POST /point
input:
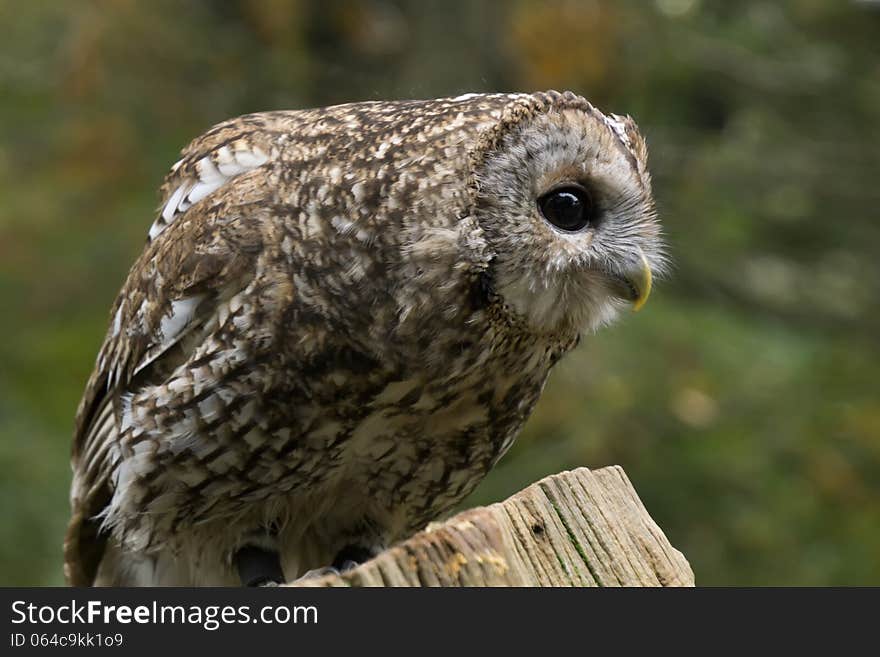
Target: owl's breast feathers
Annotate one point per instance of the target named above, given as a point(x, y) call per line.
point(311, 310)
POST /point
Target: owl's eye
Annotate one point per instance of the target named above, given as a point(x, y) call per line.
point(568, 208)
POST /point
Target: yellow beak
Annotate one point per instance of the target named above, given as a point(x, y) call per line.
point(642, 283)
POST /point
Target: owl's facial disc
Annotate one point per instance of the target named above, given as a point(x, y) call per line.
point(570, 208)
point(567, 207)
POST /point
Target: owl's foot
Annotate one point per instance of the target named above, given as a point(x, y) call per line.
point(349, 557)
point(315, 573)
point(352, 556)
point(258, 566)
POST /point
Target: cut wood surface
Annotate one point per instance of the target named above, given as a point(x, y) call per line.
point(578, 528)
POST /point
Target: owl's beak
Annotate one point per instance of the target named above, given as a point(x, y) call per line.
point(633, 283)
point(640, 280)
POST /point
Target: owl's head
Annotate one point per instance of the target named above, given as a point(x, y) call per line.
point(563, 196)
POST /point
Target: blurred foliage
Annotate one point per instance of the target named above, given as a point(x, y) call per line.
point(743, 402)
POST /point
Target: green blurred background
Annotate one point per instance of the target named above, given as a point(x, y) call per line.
point(743, 402)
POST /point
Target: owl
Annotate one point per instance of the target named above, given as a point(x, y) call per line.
point(340, 321)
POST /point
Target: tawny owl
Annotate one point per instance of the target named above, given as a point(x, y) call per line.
point(340, 321)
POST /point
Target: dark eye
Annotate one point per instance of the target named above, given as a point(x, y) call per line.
point(568, 208)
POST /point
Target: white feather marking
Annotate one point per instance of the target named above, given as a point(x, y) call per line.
point(171, 327)
point(242, 322)
point(341, 224)
point(210, 177)
point(226, 163)
point(170, 208)
point(127, 417)
point(156, 229)
point(618, 127)
point(202, 189)
point(182, 311)
point(251, 159)
point(117, 320)
point(208, 173)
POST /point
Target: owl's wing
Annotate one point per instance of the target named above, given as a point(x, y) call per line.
point(201, 250)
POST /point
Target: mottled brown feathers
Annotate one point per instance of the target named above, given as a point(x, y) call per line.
point(340, 321)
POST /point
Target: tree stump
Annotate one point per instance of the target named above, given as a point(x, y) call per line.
point(578, 528)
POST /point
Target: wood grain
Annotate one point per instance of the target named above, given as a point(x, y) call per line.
point(577, 528)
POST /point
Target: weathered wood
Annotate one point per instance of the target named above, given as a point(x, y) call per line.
point(578, 528)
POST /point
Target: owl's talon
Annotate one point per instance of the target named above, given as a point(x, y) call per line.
point(318, 572)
